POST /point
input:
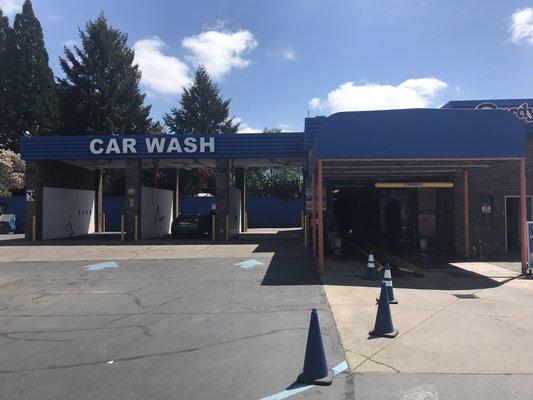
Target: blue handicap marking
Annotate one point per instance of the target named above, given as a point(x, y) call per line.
point(100, 266)
point(249, 264)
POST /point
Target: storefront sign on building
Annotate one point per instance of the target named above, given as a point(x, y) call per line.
point(523, 112)
point(153, 145)
point(409, 185)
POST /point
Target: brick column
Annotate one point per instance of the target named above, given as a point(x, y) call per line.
point(133, 198)
point(34, 199)
point(177, 193)
point(222, 196)
point(240, 183)
point(99, 194)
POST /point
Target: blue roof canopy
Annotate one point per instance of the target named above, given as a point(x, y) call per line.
point(421, 134)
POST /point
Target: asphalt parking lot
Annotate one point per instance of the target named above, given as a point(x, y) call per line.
point(160, 329)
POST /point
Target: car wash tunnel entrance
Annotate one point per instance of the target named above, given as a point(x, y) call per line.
point(444, 180)
point(414, 182)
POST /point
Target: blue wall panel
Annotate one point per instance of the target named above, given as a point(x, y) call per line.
point(16, 205)
point(113, 208)
point(273, 212)
point(263, 212)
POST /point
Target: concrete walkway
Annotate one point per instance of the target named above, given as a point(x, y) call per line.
point(439, 332)
point(258, 242)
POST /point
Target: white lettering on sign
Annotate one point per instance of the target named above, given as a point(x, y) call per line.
point(207, 144)
point(128, 146)
point(523, 112)
point(154, 145)
point(174, 146)
point(94, 149)
point(190, 145)
point(112, 147)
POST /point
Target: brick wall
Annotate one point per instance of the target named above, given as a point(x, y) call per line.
point(493, 183)
point(222, 197)
point(132, 207)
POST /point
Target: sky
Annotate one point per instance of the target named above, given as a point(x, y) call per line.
point(279, 61)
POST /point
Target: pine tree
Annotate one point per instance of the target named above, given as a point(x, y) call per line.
point(33, 87)
point(100, 93)
point(7, 126)
point(202, 109)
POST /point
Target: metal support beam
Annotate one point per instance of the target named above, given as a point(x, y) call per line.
point(466, 218)
point(313, 213)
point(523, 216)
point(320, 219)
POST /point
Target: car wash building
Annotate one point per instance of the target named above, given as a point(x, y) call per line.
point(447, 180)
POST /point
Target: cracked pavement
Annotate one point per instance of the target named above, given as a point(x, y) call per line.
point(198, 328)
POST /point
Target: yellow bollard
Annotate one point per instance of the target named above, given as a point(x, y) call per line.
point(213, 231)
point(103, 222)
point(136, 228)
point(227, 227)
point(305, 230)
point(122, 228)
point(34, 228)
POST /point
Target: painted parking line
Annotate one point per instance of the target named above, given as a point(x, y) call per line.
point(100, 266)
point(343, 366)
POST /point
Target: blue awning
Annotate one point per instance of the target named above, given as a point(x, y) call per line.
point(421, 134)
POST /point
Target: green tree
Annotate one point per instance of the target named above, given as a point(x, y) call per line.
point(202, 109)
point(100, 92)
point(28, 82)
point(282, 181)
point(7, 125)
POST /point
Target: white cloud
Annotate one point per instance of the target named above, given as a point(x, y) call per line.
point(162, 74)
point(54, 17)
point(288, 54)
point(284, 127)
point(522, 26)
point(244, 127)
point(413, 93)
point(220, 51)
point(11, 7)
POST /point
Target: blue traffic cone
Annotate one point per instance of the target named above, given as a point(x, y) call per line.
point(387, 278)
point(383, 326)
point(315, 365)
point(371, 273)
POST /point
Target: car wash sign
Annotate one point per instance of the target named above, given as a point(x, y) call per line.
point(524, 112)
point(157, 145)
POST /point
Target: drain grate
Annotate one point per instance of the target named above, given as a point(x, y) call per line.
point(466, 296)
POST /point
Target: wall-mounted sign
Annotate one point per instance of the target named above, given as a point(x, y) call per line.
point(410, 185)
point(30, 195)
point(486, 209)
point(523, 112)
point(161, 144)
